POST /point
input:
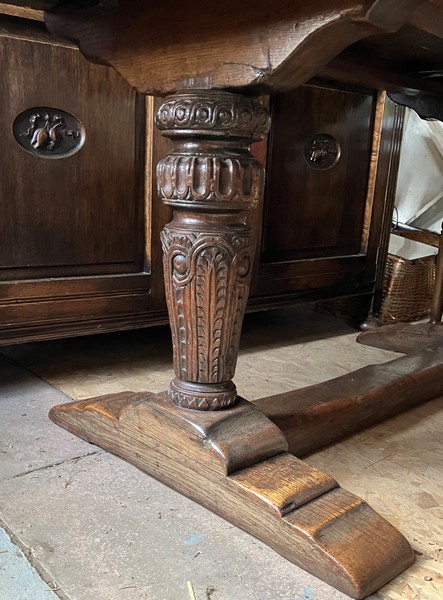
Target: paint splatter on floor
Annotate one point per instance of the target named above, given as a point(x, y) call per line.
point(194, 539)
point(18, 578)
point(308, 594)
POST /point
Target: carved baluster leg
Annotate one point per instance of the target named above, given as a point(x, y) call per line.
point(210, 179)
point(233, 461)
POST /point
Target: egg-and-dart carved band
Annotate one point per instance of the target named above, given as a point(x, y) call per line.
point(219, 114)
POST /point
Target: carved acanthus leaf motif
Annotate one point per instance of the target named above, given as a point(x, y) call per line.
point(209, 274)
point(200, 180)
point(212, 178)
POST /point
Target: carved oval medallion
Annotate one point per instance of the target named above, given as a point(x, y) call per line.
point(48, 132)
point(322, 151)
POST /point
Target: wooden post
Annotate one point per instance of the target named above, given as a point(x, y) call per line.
point(210, 179)
point(437, 296)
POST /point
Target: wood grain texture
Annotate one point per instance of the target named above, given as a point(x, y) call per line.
point(338, 536)
point(72, 232)
point(273, 284)
point(60, 307)
point(277, 49)
point(408, 338)
point(24, 12)
point(211, 179)
point(385, 188)
point(68, 200)
point(298, 279)
point(337, 196)
point(376, 139)
point(398, 61)
point(322, 414)
point(419, 235)
point(29, 9)
point(338, 219)
point(250, 480)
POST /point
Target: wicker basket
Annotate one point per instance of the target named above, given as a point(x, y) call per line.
point(407, 288)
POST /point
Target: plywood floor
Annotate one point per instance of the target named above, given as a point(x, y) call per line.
point(397, 466)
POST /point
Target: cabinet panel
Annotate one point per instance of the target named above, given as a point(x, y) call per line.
point(49, 308)
point(319, 233)
point(73, 230)
point(81, 214)
point(312, 212)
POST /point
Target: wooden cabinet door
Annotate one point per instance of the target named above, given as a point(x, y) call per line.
point(73, 236)
point(320, 231)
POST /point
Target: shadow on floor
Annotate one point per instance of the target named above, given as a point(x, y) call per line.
point(152, 346)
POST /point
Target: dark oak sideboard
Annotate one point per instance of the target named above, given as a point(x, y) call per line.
point(80, 235)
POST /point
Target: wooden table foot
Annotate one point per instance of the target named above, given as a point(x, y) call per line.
point(412, 337)
point(236, 464)
point(403, 337)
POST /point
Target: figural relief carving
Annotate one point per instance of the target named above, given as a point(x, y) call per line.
point(48, 132)
point(322, 151)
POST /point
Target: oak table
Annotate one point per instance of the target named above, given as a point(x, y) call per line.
point(212, 61)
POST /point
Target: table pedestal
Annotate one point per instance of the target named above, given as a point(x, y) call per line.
point(199, 437)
